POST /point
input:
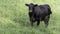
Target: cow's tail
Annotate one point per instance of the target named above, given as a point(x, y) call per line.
point(49, 9)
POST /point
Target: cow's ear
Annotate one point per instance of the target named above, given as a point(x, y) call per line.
point(36, 5)
point(27, 4)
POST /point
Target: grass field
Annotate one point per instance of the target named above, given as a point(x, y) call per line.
point(14, 17)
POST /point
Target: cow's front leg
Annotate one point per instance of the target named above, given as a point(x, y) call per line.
point(32, 23)
point(32, 20)
point(38, 22)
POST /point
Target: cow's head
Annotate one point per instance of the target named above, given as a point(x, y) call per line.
point(31, 6)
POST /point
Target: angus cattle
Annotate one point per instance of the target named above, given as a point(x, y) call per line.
point(39, 13)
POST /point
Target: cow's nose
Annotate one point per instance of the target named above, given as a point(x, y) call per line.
point(30, 11)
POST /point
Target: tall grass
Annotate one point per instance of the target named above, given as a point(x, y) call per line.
point(14, 17)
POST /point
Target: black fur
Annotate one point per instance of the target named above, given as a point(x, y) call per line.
point(39, 13)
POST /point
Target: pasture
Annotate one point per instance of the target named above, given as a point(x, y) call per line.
point(14, 17)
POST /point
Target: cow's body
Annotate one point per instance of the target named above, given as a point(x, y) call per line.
point(39, 13)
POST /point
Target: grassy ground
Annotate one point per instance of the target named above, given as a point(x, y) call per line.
point(14, 17)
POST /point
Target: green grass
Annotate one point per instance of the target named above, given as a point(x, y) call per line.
point(14, 17)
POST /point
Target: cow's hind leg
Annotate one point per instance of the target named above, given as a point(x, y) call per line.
point(46, 20)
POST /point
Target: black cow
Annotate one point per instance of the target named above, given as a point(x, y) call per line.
point(39, 13)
